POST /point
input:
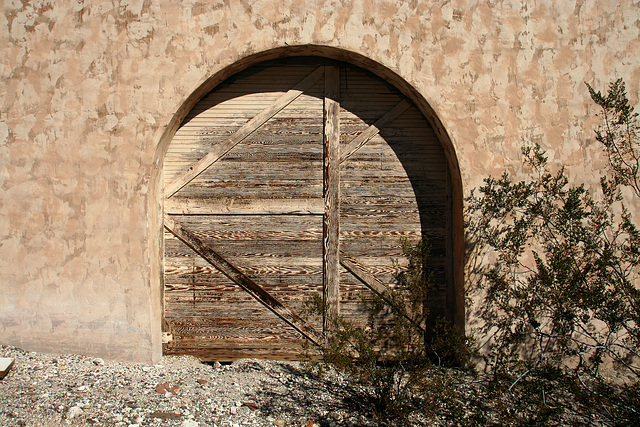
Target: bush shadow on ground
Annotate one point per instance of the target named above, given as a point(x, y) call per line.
point(294, 392)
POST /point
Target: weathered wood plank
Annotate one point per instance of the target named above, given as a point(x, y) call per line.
point(281, 160)
point(221, 149)
point(259, 190)
point(271, 235)
point(241, 280)
point(308, 251)
point(229, 206)
point(235, 351)
point(331, 234)
point(274, 228)
point(276, 269)
point(256, 320)
point(373, 130)
point(195, 287)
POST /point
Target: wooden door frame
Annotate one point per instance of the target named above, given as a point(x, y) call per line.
point(455, 295)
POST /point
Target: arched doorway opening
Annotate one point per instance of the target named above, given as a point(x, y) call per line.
point(296, 176)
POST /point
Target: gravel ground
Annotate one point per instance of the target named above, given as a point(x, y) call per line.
point(52, 390)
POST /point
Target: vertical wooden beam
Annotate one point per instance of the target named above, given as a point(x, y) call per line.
point(331, 233)
point(458, 245)
point(450, 290)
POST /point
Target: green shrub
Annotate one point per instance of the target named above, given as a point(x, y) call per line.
point(561, 301)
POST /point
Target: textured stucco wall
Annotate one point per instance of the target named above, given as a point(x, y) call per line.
point(89, 89)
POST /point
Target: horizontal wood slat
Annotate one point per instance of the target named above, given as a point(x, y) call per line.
point(224, 206)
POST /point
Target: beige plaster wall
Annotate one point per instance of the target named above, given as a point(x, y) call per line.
point(89, 90)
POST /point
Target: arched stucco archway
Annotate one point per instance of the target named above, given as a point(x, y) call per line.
point(454, 309)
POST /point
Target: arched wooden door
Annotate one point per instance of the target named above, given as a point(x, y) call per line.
point(294, 177)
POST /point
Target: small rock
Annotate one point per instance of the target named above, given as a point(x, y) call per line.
point(190, 423)
point(334, 415)
point(74, 411)
point(250, 405)
point(5, 366)
point(165, 388)
point(202, 381)
point(98, 361)
point(279, 423)
point(165, 415)
point(233, 410)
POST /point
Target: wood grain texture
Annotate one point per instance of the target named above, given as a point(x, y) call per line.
point(243, 132)
point(372, 282)
point(234, 206)
point(268, 205)
point(394, 186)
point(241, 279)
point(281, 160)
point(331, 234)
point(373, 130)
point(365, 276)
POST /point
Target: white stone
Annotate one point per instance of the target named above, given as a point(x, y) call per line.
point(5, 366)
point(74, 411)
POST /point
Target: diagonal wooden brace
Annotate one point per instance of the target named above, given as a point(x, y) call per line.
point(356, 143)
point(247, 129)
point(373, 283)
point(240, 279)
